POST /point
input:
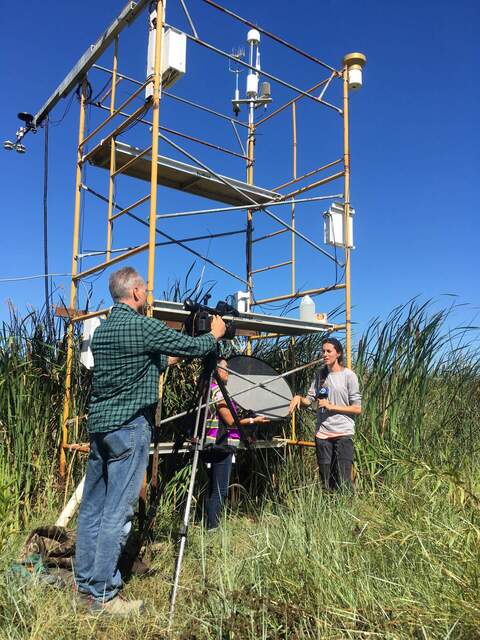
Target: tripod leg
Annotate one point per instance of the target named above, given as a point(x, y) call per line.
point(198, 444)
point(156, 438)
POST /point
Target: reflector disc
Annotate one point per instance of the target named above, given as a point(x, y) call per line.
point(251, 386)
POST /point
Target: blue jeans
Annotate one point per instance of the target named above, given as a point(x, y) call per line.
point(115, 470)
point(218, 489)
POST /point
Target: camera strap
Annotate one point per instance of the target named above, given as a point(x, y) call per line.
point(233, 411)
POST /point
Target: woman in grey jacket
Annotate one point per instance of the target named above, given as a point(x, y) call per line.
point(336, 394)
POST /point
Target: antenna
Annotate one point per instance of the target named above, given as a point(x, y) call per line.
point(253, 98)
point(235, 68)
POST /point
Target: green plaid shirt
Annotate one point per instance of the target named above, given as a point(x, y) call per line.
point(130, 351)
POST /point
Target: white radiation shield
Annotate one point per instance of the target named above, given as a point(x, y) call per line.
point(255, 386)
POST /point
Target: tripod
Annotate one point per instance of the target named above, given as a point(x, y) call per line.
point(198, 443)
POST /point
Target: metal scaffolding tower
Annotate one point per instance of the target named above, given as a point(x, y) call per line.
point(194, 176)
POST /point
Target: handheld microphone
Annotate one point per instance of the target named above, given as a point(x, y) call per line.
point(323, 395)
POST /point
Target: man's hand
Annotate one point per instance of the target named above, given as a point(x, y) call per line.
point(261, 420)
point(218, 328)
point(171, 360)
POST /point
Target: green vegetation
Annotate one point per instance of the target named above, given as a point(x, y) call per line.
point(399, 559)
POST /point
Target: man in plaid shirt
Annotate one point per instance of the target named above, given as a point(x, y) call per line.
point(130, 351)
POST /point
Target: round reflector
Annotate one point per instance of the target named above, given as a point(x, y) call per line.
point(255, 386)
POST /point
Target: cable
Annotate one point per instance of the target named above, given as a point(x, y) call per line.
point(40, 275)
point(45, 226)
point(55, 123)
point(94, 100)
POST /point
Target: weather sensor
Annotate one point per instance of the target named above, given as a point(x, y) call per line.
point(254, 98)
point(354, 63)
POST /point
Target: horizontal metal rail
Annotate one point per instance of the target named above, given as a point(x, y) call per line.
point(276, 79)
point(272, 203)
point(132, 118)
point(268, 336)
point(75, 315)
point(212, 145)
point(134, 205)
point(202, 107)
point(109, 263)
point(195, 105)
point(284, 106)
point(81, 448)
point(307, 175)
point(169, 237)
point(180, 134)
point(127, 164)
point(272, 266)
point(298, 443)
point(281, 41)
point(316, 184)
point(250, 199)
point(299, 294)
point(114, 114)
point(270, 235)
point(166, 243)
point(118, 74)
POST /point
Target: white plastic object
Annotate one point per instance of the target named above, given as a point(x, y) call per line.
point(71, 506)
point(174, 56)
point(86, 355)
point(252, 85)
point(253, 36)
point(242, 301)
point(333, 226)
point(355, 79)
point(307, 309)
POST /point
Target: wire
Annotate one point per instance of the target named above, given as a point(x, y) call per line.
point(45, 225)
point(55, 123)
point(40, 275)
point(94, 100)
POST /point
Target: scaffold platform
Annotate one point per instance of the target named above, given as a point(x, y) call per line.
point(174, 314)
point(179, 175)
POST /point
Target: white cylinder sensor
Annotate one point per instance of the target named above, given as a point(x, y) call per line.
point(252, 85)
point(354, 77)
point(253, 36)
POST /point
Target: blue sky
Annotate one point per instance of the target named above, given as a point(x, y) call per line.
point(414, 146)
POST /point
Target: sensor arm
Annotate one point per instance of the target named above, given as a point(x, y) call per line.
point(129, 13)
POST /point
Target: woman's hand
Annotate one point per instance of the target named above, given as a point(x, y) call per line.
point(325, 404)
point(295, 403)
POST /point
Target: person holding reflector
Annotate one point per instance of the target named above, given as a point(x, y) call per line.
point(223, 436)
point(336, 393)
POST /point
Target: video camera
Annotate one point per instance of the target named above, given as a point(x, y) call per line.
point(200, 319)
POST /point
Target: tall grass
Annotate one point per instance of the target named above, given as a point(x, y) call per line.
point(399, 559)
point(32, 368)
point(422, 394)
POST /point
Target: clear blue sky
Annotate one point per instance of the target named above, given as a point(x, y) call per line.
point(414, 145)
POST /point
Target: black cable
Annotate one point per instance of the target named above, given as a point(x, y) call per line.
point(94, 100)
point(45, 228)
point(55, 123)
